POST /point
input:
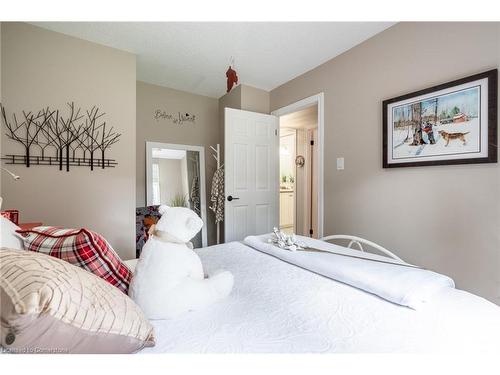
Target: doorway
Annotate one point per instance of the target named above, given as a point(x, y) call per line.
point(301, 167)
point(252, 172)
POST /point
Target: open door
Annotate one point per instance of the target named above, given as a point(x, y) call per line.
point(251, 173)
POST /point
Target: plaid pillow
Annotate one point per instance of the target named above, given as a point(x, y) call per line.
point(82, 248)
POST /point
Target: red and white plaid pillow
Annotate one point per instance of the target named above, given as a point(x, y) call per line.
point(82, 248)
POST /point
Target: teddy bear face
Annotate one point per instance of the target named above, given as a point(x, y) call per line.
point(178, 223)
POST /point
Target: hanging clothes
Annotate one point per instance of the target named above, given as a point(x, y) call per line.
point(217, 195)
point(195, 195)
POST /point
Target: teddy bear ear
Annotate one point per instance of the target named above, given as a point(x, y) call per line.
point(162, 209)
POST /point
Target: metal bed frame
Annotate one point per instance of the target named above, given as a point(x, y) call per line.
point(360, 242)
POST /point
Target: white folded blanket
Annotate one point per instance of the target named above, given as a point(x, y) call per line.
point(406, 286)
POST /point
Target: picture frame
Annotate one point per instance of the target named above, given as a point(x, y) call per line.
point(451, 123)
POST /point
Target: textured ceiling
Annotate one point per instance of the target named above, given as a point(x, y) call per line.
point(194, 56)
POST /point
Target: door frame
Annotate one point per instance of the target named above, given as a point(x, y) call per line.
point(149, 175)
point(319, 100)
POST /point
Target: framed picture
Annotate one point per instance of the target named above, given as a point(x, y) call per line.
point(452, 123)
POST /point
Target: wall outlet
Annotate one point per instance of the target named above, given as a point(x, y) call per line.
point(340, 164)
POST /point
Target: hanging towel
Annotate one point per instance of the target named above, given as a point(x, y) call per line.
point(217, 195)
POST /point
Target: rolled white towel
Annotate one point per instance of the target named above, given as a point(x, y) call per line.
point(392, 281)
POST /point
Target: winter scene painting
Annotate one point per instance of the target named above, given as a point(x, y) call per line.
point(441, 125)
point(447, 124)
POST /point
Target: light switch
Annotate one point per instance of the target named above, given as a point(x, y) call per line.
point(340, 164)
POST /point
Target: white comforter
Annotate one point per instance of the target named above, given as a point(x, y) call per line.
point(276, 307)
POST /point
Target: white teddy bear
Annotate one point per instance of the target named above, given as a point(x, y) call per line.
point(169, 280)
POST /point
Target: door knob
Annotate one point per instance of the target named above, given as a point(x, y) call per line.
point(230, 198)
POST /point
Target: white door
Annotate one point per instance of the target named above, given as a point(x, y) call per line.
point(251, 174)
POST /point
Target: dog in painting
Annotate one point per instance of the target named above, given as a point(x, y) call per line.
point(451, 136)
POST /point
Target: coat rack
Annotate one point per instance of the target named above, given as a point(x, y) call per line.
point(216, 156)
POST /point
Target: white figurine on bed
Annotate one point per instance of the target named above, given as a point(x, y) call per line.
point(169, 280)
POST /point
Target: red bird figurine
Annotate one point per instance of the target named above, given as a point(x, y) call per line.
point(232, 78)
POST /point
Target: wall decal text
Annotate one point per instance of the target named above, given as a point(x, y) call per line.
point(178, 118)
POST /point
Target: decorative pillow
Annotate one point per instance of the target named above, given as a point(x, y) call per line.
point(82, 248)
point(8, 235)
point(50, 306)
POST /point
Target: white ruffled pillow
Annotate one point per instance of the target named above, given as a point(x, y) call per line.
point(9, 238)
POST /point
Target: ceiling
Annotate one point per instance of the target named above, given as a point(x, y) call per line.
point(194, 56)
point(304, 119)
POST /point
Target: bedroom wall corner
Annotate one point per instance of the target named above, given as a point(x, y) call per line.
point(204, 132)
point(254, 99)
point(445, 218)
point(43, 68)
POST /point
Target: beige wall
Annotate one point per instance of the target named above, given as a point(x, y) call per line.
point(446, 218)
point(43, 68)
point(255, 100)
point(245, 97)
point(204, 132)
point(230, 100)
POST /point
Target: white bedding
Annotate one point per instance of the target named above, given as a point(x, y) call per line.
point(406, 286)
point(277, 307)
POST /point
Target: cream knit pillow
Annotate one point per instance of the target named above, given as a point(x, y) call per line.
point(48, 305)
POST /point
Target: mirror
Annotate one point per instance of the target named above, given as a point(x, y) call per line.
point(175, 176)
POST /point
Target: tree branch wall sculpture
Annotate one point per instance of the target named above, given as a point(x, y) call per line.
point(68, 136)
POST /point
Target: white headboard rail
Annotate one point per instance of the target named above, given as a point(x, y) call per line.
point(360, 242)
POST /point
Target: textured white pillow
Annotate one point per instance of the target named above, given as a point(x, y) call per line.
point(8, 237)
point(48, 305)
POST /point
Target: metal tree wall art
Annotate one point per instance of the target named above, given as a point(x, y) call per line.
point(50, 138)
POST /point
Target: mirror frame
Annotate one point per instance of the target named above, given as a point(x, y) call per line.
point(149, 176)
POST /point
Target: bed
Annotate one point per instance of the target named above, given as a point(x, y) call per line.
point(277, 307)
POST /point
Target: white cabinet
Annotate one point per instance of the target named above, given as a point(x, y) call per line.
point(286, 209)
